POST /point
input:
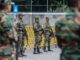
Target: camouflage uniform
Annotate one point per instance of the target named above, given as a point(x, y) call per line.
point(48, 31)
point(5, 40)
point(38, 37)
point(20, 33)
point(70, 40)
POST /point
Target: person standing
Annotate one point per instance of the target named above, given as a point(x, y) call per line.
point(48, 35)
point(20, 33)
point(6, 35)
point(70, 32)
point(38, 35)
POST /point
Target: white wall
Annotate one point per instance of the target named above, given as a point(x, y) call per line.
point(29, 18)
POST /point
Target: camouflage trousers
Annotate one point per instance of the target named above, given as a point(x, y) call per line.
point(70, 53)
point(38, 40)
point(47, 40)
point(20, 43)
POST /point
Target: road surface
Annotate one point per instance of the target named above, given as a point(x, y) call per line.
point(54, 55)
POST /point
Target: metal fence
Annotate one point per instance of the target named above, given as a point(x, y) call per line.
point(41, 5)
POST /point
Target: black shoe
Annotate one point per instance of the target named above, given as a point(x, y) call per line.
point(44, 49)
point(38, 50)
point(24, 55)
point(35, 51)
point(49, 48)
point(20, 55)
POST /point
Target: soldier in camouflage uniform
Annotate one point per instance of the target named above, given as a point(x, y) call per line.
point(48, 35)
point(65, 38)
point(69, 33)
point(20, 33)
point(38, 35)
point(6, 35)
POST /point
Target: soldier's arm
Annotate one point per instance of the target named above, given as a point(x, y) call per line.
point(17, 26)
point(35, 27)
point(1, 24)
point(10, 34)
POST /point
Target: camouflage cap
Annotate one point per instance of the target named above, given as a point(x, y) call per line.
point(8, 2)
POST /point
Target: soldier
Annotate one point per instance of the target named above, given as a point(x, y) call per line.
point(6, 35)
point(48, 35)
point(20, 33)
point(38, 35)
point(75, 53)
point(71, 45)
point(64, 35)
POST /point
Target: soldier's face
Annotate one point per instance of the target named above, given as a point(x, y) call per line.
point(20, 17)
point(47, 19)
point(37, 20)
point(8, 8)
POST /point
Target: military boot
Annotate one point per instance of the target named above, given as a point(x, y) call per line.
point(44, 49)
point(49, 48)
point(35, 51)
point(38, 50)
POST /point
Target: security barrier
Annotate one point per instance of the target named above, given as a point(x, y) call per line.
point(31, 37)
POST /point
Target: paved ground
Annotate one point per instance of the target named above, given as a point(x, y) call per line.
point(54, 55)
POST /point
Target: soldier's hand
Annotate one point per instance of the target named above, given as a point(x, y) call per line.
point(10, 35)
point(3, 47)
point(3, 19)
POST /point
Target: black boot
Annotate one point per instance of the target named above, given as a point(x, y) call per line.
point(35, 52)
point(49, 48)
point(22, 53)
point(44, 49)
point(38, 50)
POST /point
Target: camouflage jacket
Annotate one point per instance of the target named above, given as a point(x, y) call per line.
point(68, 34)
point(37, 28)
point(4, 30)
point(47, 29)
